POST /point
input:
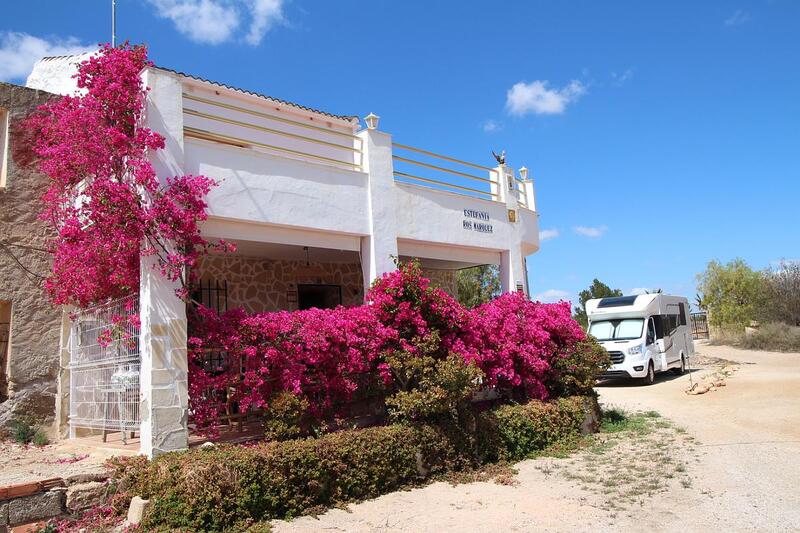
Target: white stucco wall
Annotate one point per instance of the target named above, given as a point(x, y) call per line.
point(265, 188)
point(55, 74)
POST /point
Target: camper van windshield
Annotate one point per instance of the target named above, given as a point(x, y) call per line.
point(623, 329)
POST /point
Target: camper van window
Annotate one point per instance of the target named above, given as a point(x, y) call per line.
point(624, 329)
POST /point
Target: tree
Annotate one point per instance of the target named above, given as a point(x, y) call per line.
point(732, 293)
point(782, 301)
point(104, 199)
point(478, 285)
point(598, 289)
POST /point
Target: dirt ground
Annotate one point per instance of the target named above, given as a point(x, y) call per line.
point(728, 460)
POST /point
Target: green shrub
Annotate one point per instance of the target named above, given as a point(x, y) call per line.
point(226, 486)
point(444, 391)
point(524, 430)
point(774, 336)
point(23, 432)
point(576, 374)
point(284, 416)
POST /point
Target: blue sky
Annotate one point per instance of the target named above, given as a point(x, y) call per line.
point(661, 134)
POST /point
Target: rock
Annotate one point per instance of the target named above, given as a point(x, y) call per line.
point(3, 515)
point(137, 509)
point(37, 507)
point(207, 445)
point(101, 474)
point(83, 496)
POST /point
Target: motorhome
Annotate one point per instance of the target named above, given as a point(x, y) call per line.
point(644, 334)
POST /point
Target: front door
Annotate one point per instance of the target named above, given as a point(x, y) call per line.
point(319, 296)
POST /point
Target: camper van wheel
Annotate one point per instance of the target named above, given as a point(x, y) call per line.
point(682, 368)
point(650, 378)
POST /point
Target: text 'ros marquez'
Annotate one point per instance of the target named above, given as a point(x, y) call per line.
point(477, 221)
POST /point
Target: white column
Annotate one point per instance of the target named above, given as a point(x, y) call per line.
point(163, 376)
point(512, 271)
point(513, 276)
point(379, 248)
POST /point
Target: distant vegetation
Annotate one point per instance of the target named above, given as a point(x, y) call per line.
point(478, 285)
point(598, 289)
point(735, 295)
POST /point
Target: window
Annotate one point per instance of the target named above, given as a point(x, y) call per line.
point(3, 146)
point(683, 314)
point(626, 329)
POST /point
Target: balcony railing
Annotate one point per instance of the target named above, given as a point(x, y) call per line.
point(444, 178)
point(352, 157)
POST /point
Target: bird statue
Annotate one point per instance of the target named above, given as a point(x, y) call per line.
point(500, 158)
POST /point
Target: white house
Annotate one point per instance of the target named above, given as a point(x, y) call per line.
point(318, 208)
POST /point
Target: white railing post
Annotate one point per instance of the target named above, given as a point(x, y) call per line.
point(527, 188)
point(379, 247)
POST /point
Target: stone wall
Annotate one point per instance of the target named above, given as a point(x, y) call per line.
point(33, 357)
point(258, 284)
point(445, 279)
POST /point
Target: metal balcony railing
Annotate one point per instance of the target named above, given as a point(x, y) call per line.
point(445, 178)
point(354, 146)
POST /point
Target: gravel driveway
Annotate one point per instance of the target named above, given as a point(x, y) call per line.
point(736, 449)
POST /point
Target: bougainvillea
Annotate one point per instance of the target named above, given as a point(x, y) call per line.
point(105, 201)
point(318, 354)
point(321, 355)
point(516, 341)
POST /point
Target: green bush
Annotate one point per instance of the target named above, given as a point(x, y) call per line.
point(444, 391)
point(224, 486)
point(777, 337)
point(524, 430)
point(576, 374)
point(23, 432)
point(284, 417)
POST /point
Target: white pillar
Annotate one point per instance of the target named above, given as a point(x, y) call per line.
point(513, 276)
point(164, 370)
point(379, 248)
point(163, 376)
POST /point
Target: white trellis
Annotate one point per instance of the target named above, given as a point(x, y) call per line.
point(104, 368)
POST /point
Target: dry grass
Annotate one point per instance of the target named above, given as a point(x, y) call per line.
point(634, 457)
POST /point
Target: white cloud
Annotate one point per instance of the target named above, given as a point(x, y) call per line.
point(536, 97)
point(217, 21)
point(619, 79)
point(589, 231)
point(19, 51)
point(547, 234)
point(490, 126)
point(266, 13)
point(202, 21)
point(738, 18)
point(551, 295)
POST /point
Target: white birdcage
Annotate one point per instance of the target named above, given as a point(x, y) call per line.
point(104, 368)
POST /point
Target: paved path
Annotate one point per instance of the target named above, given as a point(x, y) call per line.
point(745, 470)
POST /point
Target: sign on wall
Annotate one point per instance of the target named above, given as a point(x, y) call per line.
point(477, 221)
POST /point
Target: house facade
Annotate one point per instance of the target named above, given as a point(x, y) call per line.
point(30, 327)
point(318, 207)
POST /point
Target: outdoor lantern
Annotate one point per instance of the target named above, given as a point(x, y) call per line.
point(523, 173)
point(372, 121)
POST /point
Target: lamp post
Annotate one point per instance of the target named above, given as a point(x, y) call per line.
point(523, 173)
